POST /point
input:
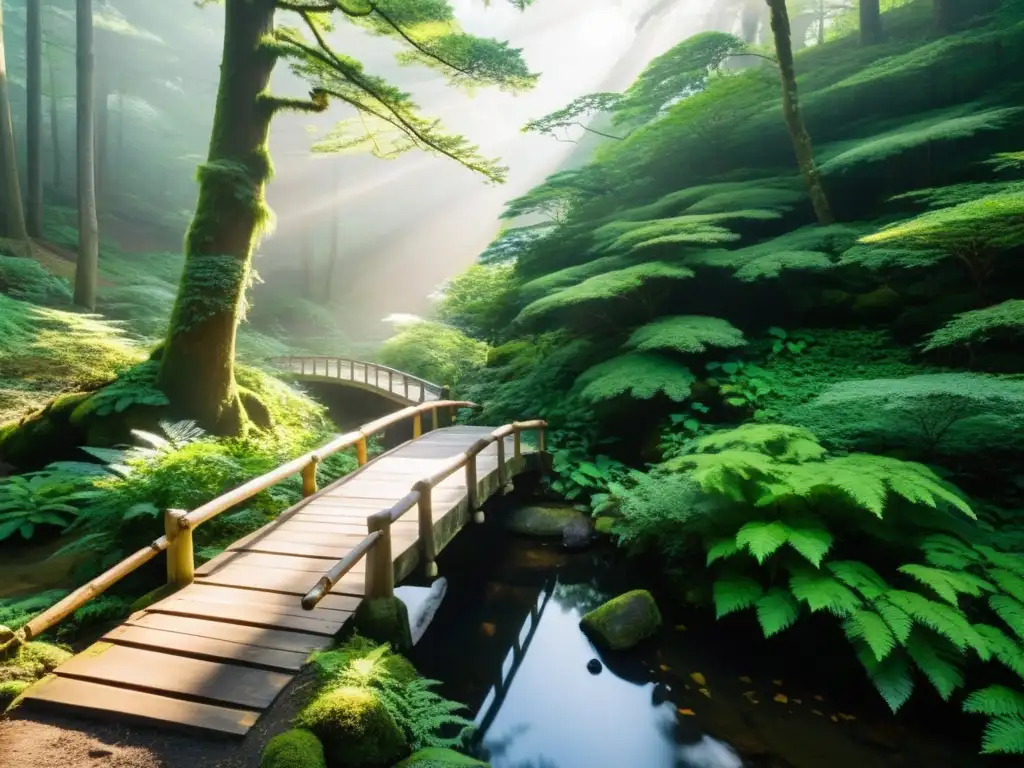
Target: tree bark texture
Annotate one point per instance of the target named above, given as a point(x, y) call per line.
point(34, 117)
point(197, 364)
point(88, 226)
point(802, 145)
point(14, 213)
point(870, 22)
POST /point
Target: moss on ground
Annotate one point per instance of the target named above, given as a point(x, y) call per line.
point(296, 748)
point(440, 758)
point(29, 663)
point(355, 727)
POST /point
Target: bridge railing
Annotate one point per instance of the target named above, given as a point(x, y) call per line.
point(179, 524)
point(359, 371)
point(376, 545)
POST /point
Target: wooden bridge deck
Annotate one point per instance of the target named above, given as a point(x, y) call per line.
point(399, 386)
point(216, 654)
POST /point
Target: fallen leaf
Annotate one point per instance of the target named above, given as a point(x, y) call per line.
point(751, 696)
point(706, 692)
point(781, 698)
point(798, 701)
point(834, 719)
point(687, 712)
point(846, 717)
point(698, 678)
point(488, 629)
point(680, 627)
point(817, 712)
point(687, 687)
point(745, 679)
point(818, 698)
point(664, 667)
point(777, 682)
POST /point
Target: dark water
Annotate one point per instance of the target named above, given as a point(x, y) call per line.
point(506, 641)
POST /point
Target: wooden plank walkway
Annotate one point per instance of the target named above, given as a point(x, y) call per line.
point(399, 386)
point(215, 655)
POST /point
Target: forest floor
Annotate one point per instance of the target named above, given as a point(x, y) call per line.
point(49, 740)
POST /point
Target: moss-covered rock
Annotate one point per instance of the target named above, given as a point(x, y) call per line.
point(32, 661)
point(11, 690)
point(385, 620)
point(297, 748)
point(355, 728)
point(623, 621)
point(438, 757)
point(544, 520)
point(603, 524)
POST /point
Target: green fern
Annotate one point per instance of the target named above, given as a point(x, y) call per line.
point(870, 628)
point(762, 539)
point(980, 325)
point(947, 584)
point(941, 619)
point(945, 551)
point(1011, 583)
point(1004, 648)
point(939, 661)
point(860, 577)
point(780, 441)
point(1004, 733)
point(821, 592)
point(686, 334)
point(641, 375)
point(776, 611)
point(723, 548)
point(733, 593)
point(1009, 610)
point(891, 677)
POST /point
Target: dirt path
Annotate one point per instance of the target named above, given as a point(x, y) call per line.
point(37, 740)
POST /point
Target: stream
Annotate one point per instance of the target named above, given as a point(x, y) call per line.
point(505, 640)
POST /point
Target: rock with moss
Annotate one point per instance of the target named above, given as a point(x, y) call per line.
point(623, 621)
point(31, 661)
point(439, 757)
point(604, 524)
point(297, 748)
point(355, 728)
point(385, 620)
point(11, 690)
point(546, 520)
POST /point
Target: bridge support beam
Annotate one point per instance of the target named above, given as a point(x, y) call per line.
point(385, 620)
point(428, 547)
point(181, 564)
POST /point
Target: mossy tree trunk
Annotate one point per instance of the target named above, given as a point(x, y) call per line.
point(870, 22)
point(34, 116)
point(197, 365)
point(87, 264)
point(13, 212)
point(791, 110)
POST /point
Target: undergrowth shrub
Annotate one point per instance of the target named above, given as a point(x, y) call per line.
point(26, 280)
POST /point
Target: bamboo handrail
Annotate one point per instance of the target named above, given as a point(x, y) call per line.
point(420, 496)
point(189, 521)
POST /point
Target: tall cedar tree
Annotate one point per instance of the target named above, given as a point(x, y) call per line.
point(870, 22)
point(197, 360)
point(791, 110)
point(87, 264)
point(34, 116)
point(13, 211)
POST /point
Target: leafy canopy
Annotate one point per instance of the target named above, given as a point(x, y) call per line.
point(686, 334)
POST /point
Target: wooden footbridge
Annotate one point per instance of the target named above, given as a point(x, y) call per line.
point(397, 386)
point(223, 640)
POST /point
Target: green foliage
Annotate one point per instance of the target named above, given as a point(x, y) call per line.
point(474, 301)
point(51, 498)
point(641, 375)
point(686, 334)
point(573, 114)
point(295, 748)
point(1005, 708)
point(433, 351)
point(947, 413)
point(411, 701)
point(980, 325)
point(26, 280)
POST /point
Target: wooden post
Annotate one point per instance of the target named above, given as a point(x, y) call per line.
point(433, 418)
point(361, 451)
point(181, 566)
point(473, 490)
point(446, 416)
point(303, 365)
point(541, 447)
point(405, 382)
point(351, 370)
point(428, 549)
point(380, 570)
point(366, 373)
point(517, 447)
point(309, 477)
point(502, 470)
point(417, 425)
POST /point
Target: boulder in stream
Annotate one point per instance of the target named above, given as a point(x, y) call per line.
point(623, 621)
point(546, 520)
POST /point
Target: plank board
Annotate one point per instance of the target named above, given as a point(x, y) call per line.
point(122, 703)
point(208, 648)
point(252, 615)
point(328, 609)
point(153, 672)
point(280, 580)
point(278, 545)
point(288, 562)
point(299, 642)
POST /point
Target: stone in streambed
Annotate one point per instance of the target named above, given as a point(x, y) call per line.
point(623, 621)
point(578, 534)
point(545, 520)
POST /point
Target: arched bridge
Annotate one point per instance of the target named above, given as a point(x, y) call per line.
point(397, 386)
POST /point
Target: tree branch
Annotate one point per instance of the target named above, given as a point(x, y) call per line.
point(418, 46)
point(600, 133)
point(322, 6)
point(317, 102)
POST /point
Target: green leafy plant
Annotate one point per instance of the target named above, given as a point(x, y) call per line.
point(49, 497)
point(740, 384)
point(784, 342)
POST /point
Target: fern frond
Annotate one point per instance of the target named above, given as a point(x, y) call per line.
point(776, 611)
point(995, 701)
point(1006, 560)
point(821, 592)
point(734, 593)
point(945, 551)
point(946, 584)
point(762, 539)
point(891, 677)
point(780, 441)
point(721, 549)
point(860, 576)
point(1009, 610)
point(939, 664)
point(1008, 581)
point(812, 541)
point(1004, 735)
point(938, 617)
point(724, 473)
point(1003, 647)
point(899, 621)
point(869, 627)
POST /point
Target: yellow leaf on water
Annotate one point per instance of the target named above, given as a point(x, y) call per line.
point(777, 682)
point(664, 667)
point(846, 717)
point(745, 679)
point(798, 701)
point(698, 678)
point(706, 692)
point(834, 719)
point(688, 712)
point(781, 698)
point(817, 712)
